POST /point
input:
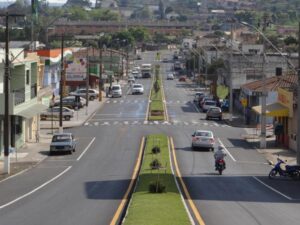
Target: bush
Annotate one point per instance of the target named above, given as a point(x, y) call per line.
point(155, 164)
point(155, 150)
point(157, 187)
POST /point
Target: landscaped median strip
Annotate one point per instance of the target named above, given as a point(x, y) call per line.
point(156, 108)
point(156, 199)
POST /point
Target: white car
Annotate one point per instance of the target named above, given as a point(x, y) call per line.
point(203, 139)
point(92, 93)
point(170, 76)
point(207, 104)
point(136, 74)
point(116, 91)
point(137, 89)
point(131, 80)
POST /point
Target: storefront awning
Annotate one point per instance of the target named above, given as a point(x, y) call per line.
point(32, 111)
point(274, 109)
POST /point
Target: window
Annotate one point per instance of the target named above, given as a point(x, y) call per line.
point(27, 77)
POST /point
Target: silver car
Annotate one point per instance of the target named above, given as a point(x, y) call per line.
point(54, 112)
point(203, 139)
point(92, 93)
point(64, 142)
point(214, 112)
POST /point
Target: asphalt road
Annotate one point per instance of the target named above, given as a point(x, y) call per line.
point(88, 186)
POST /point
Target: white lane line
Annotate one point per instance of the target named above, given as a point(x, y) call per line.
point(96, 123)
point(273, 189)
point(107, 101)
point(205, 124)
point(227, 150)
point(217, 125)
point(87, 147)
point(36, 189)
point(115, 101)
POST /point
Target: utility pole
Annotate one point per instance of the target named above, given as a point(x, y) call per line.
point(298, 101)
point(87, 80)
point(100, 75)
point(263, 142)
point(110, 67)
point(61, 85)
point(7, 124)
point(230, 72)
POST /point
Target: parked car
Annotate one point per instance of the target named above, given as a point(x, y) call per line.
point(225, 105)
point(198, 95)
point(170, 76)
point(82, 93)
point(54, 112)
point(137, 89)
point(207, 104)
point(202, 99)
point(203, 139)
point(70, 103)
point(182, 78)
point(165, 60)
point(63, 142)
point(116, 91)
point(214, 112)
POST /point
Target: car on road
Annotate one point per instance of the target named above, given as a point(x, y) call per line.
point(54, 112)
point(131, 80)
point(182, 78)
point(136, 74)
point(207, 104)
point(170, 76)
point(146, 74)
point(92, 93)
point(70, 103)
point(197, 96)
point(165, 60)
point(137, 89)
point(203, 99)
point(214, 112)
point(139, 57)
point(203, 139)
point(63, 142)
point(116, 90)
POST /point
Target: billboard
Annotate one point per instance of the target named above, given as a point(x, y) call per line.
point(76, 68)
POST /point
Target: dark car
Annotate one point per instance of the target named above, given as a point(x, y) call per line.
point(225, 105)
point(70, 103)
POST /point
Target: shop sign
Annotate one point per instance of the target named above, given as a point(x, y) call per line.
point(286, 98)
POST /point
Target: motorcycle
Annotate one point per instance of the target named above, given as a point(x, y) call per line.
point(220, 165)
point(284, 170)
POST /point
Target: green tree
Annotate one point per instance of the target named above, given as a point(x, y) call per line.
point(78, 13)
point(290, 40)
point(140, 34)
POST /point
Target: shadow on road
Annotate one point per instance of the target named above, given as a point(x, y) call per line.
point(237, 188)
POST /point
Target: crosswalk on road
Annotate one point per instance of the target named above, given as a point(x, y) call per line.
point(165, 123)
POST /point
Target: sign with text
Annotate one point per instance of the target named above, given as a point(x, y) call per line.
point(76, 67)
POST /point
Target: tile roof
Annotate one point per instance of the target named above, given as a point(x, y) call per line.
point(272, 83)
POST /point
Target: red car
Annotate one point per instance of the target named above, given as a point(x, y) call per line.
point(182, 78)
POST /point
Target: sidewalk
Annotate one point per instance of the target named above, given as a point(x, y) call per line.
point(33, 153)
point(252, 136)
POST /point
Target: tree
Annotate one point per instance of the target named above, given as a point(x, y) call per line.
point(80, 3)
point(140, 34)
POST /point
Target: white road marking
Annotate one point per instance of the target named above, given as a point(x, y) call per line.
point(273, 189)
point(96, 123)
point(121, 101)
point(107, 101)
point(186, 123)
point(116, 122)
point(226, 150)
point(36, 189)
point(205, 124)
point(156, 122)
point(115, 101)
point(217, 125)
point(178, 101)
point(126, 122)
point(86, 124)
point(105, 124)
point(145, 122)
point(85, 150)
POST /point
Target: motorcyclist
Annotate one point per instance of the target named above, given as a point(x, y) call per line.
point(220, 154)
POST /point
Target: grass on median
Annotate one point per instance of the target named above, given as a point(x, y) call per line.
point(154, 208)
